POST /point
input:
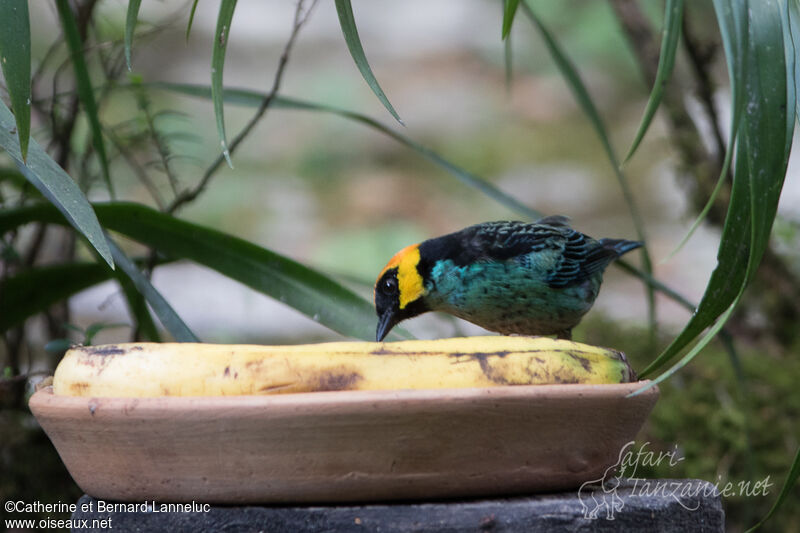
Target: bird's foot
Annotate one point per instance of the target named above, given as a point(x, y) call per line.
point(565, 335)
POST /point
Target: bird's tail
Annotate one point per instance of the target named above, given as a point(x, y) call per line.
point(620, 246)
point(609, 250)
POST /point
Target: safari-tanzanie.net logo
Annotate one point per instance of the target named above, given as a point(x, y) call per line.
point(601, 496)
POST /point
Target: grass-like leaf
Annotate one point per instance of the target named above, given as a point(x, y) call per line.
point(130, 26)
point(292, 283)
point(732, 21)
point(576, 85)
point(673, 15)
point(165, 313)
point(221, 36)
point(761, 160)
point(84, 86)
point(35, 289)
point(296, 285)
point(350, 32)
point(137, 307)
point(791, 39)
point(191, 19)
point(14, 177)
point(251, 98)
point(15, 59)
point(51, 180)
point(461, 174)
point(508, 61)
point(509, 11)
point(788, 485)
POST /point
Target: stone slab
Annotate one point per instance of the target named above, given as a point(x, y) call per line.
point(632, 506)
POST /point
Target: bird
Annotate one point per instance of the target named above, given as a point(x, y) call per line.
point(526, 278)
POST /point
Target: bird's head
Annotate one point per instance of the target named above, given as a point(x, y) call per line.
point(399, 291)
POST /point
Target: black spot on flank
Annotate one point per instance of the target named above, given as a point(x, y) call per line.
point(227, 371)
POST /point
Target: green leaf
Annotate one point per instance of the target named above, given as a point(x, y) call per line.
point(761, 160)
point(296, 285)
point(509, 11)
point(507, 49)
point(657, 285)
point(576, 85)
point(58, 346)
point(696, 349)
point(15, 59)
point(165, 313)
point(673, 15)
point(732, 21)
point(350, 32)
point(137, 307)
point(84, 86)
point(14, 178)
point(788, 485)
point(250, 98)
point(791, 40)
point(130, 25)
point(191, 19)
point(35, 289)
point(221, 36)
point(55, 185)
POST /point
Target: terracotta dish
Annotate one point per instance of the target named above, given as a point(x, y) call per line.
point(343, 446)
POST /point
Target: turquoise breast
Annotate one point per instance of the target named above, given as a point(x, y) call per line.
point(510, 296)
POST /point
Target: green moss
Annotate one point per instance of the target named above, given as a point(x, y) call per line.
point(726, 428)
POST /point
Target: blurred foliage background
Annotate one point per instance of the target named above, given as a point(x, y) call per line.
point(342, 197)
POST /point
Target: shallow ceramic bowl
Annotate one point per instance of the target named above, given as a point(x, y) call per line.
point(343, 446)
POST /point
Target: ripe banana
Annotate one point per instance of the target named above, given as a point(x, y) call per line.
point(173, 369)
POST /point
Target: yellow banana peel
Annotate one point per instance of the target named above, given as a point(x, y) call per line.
point(183, 369)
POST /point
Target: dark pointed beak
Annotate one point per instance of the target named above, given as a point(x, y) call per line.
point(385, 324)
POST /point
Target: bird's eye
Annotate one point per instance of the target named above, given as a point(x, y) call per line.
point(389, 286)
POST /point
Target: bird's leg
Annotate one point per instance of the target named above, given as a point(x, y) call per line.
point(565, 334)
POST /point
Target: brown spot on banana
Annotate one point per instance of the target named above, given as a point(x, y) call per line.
point(78, 387)
point(108, 349)
point(489, 371)
point(340, 378)
point(565, 378)
point(223, 370)
point(587, 366)
point(272, 389)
